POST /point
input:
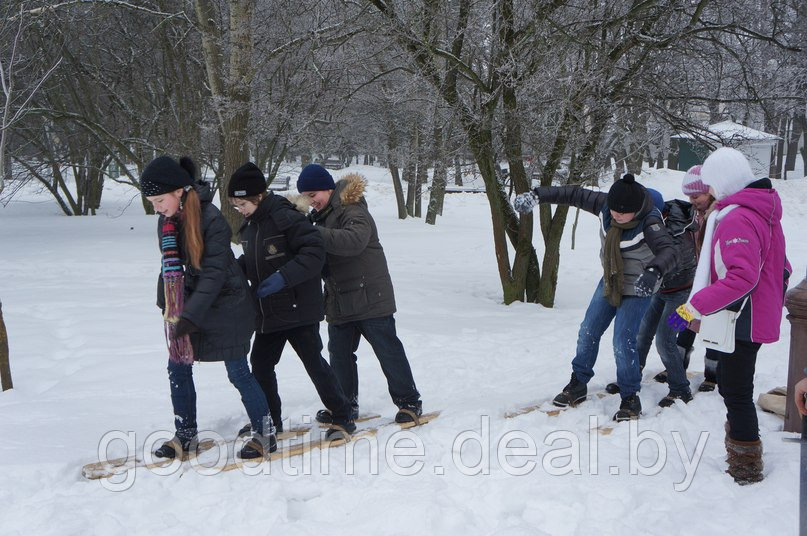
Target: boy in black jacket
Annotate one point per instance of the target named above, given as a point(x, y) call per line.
point(636, 252)
point(283, 257)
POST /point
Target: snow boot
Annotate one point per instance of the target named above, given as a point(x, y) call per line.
point(258, 446)
point(170, 448)
point(409, 412)
point(629, 409)
point(340, 429)
point(661, 377)
point(612, 388)
point(671, 397)
point(324, 416)
point(574, 393)
point(247, 429)
point(745, 460)
point(707, 386)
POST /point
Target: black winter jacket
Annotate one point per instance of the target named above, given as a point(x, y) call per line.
point(278, 237)
point(679, 218)
point(647, 245)
point(216, 297)
point(357, 281)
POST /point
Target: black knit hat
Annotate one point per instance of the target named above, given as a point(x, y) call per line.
point(626, 195)
point(164, 174)
point(247, 181)
point(314, 178)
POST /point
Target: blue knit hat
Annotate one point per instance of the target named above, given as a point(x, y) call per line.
point(313, 178)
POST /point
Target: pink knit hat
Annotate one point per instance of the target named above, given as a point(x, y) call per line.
point(692, 184)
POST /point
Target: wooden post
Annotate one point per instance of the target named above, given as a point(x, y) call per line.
point(796, 303)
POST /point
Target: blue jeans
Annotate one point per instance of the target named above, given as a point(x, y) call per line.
point(343, 340)
point(627, 318)
point(183, 396)
point(654, 324)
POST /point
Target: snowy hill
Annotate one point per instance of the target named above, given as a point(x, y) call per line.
point(88, 357)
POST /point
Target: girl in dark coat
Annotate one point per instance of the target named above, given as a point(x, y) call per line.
point(203, 295)
point(283, 259)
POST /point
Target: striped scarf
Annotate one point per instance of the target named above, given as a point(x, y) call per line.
point(179, 349)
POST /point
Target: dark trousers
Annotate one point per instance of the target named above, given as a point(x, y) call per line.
point(306, 342)
point(735, 382)
point(343, 340)
point(686, 340)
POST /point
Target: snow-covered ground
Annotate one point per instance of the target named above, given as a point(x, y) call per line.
point(88, 358)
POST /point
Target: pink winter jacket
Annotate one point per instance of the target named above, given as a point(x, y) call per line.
point(748, 259)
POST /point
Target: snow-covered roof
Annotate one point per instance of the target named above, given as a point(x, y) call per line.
point(729, 132)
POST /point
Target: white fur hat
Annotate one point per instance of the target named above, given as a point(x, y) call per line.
point(727, 171)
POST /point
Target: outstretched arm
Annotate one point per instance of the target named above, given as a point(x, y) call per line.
point(576, 196)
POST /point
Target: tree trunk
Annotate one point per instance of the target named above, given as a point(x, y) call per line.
point(776, 163)
point(394, 169)
point(672, 156)
point(410, 172)
point(439, 177)
point(526, 259)
point(421, 176)
point(5, 364)
point(802, 120)
point(457, 171)
point(231, 90)
point(793, 144)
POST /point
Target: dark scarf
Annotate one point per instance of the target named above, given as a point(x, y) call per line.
point(179, 349)
point(612, 262)
point(317, 217)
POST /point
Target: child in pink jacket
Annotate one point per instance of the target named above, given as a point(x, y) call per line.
point(742, 268)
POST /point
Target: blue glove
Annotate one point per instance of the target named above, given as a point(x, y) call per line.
point(270, 285)
point(525, 202)
point(646, 284)
point(680, 319)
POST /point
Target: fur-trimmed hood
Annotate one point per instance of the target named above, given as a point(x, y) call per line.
point(300, 201)
point(349, 190)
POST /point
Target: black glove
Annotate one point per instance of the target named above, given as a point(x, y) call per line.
point(184, 327)
point(646, 284)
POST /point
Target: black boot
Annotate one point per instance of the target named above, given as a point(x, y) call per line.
point(661, 377)
point(574, 393)
point(247, 429)
point(258, 446)
point(707, 386)
point(670, 399)
point(340, 429)
point(169, 448)
point(630, 408)
point(409, 412)
point(325, 416)
point(612, 388)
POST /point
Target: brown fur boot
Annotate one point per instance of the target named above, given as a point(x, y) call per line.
point(745, 460)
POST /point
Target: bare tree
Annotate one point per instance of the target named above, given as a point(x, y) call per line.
point(16, 101)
